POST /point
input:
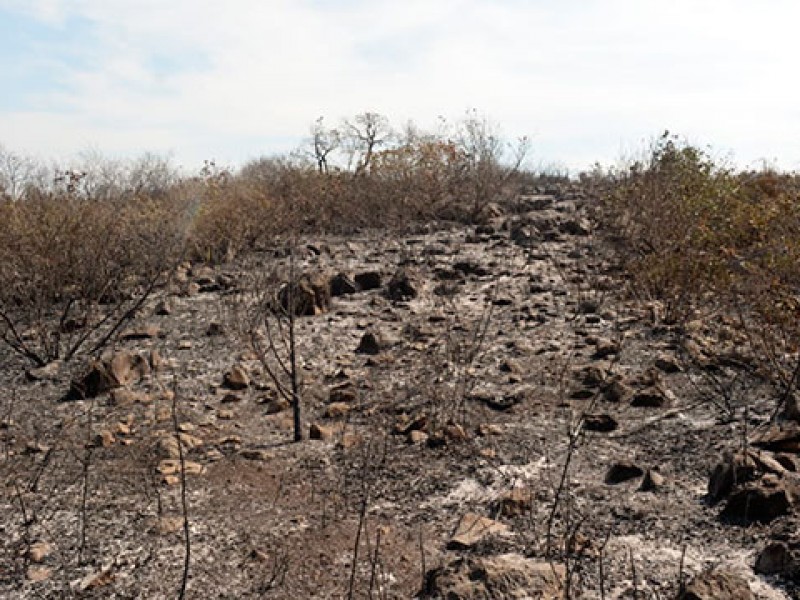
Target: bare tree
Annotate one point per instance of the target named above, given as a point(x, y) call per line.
point(324, 142)
point(364, 135)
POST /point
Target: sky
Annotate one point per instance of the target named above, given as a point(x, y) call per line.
point(586, 80)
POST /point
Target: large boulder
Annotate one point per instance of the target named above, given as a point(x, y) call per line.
point(502, 576)
point(306, 297)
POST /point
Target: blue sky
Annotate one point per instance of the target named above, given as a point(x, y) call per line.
point(587, 80)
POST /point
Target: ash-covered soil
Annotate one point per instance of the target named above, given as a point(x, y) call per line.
point(513, 407)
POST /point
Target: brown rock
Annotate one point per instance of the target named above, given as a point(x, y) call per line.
point(516, 502)
point(717, 585)
point(652, 481)
point(320, 432)
point(651, 397)
point(144, 332)
point(502, 576)
point(759, 502)
point(735, 470)
point(277, 405)
point(605, 348)
point(236, 379)
point(38, 573)
point(308, 296)
point(337, 410)
point(342, 285)
point(618, 391)
point(474, 528)
point(39, 551)
point(104, 439)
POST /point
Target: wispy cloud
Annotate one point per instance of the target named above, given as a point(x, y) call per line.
point(235, 79)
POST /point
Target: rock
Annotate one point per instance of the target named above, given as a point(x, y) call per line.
point(236, 379)
point(502, 576)
point(618, 391)
point(277, 405)
point(224, 414)
point(167, 524)
point(125, 397)
point(650, 397)
point(321, 432)
point(717, 585)
point(603, 423)
point(516, 502)
point(605, 348)
point(342, 393)
point(578, 227)
point(214, 329)
point(783, 436)
point(415, 436)
point(145, 332)
point(372, 343)
point(337, 410)
point(652, 481)
point(621, 472)
point(39, 551)
point(308, 296)
point(667, 363)
point(163, 308)
point(773, 559)
point(166, 447)
point(762, 502)
point(37, 573)
point(257, 454)
point(474, 528)
point(735, 470)
point(48, 372)
point(104, 439)
point(124, 368)
point(99, 579)
point(400, 287)
point(342, 285)
point(173, 467)
point(369, 280)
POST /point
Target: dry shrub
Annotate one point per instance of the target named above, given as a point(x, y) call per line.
point(695, 234)
point(73, 269)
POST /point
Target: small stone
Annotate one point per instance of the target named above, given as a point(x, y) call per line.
point(230, 399)
point(667, 363)
point(185, 345)
point(652, 481)
point(605, 348)
point(104, 439)
point(618, 391)
point(145, 332)
point(236, 379)
point(224, 414)
point(337, 410)
point(455, 432)
point(173, 467)
point(163, 308)
point(652, 397)
point(416, 436)
point(277, 405)
point(516, 502)
point(167, 524)
point(256, 454)
point(96, 580)
point(602, 423)
point(37, 573)
point(400, 287)
point(39, 551)
point(621, 472)
point(320, 432)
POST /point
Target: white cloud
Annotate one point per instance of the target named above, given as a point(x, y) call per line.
point(584, 77)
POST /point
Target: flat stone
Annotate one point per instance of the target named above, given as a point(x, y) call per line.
point(474, 528)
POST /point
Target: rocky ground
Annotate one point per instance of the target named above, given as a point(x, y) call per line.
point(489, 416)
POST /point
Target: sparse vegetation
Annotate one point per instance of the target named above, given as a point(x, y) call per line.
point(478, 312)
